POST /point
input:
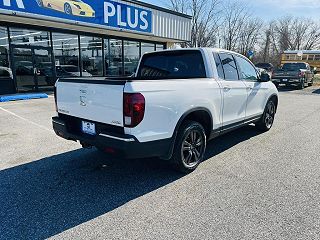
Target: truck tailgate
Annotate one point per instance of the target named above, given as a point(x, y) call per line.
point(99, 101)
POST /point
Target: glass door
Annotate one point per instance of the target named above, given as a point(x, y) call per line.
point(44, 70)
point(33, 69)
point(23, 69)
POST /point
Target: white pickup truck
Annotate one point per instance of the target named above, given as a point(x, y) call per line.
point(175, 103)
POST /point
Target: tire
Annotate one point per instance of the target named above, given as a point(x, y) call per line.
point(266, 121)
point(190, 146)
point(40, 3)
point(301, 84)
point(67, 9)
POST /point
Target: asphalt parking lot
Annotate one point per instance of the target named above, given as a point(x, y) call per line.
point(252, 185)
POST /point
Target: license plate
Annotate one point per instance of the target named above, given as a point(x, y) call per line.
point(285, 80)
point(88, 128)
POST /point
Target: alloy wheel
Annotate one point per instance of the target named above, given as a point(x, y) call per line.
point(40, 3)
point(192, 149)
point(67, 9)
point(269, 115)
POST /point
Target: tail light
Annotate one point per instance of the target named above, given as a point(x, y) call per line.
point(133, 109)
point(55, 97)
point(301, 74)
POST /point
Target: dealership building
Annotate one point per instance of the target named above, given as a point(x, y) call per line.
point(42, 40)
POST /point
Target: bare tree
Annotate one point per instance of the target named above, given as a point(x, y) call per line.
point(249, 36)
point(295, 34)
point(205, 20)
point(234, 18)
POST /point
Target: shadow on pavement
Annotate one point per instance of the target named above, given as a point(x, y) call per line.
point(317, 91)
point(46, 197)
point(287, 88)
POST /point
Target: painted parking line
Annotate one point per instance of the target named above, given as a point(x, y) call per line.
point(26, 120)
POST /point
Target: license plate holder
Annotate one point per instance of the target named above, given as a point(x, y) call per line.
point(88, 128)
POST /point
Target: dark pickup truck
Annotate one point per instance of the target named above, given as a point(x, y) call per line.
point(299, 74)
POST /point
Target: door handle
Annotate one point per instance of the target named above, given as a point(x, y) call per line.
point(249, 88)
point(226, 88)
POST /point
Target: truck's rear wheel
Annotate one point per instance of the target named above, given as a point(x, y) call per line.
point(189, 147)
point(301, 84)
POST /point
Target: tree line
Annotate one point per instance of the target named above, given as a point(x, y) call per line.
point(232, 25)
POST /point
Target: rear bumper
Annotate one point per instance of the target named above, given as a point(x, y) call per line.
point(285, 80)
point(122, 145)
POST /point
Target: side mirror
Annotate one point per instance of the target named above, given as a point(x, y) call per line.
point(265, 77)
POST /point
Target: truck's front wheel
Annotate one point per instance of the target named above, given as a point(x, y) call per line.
point(190, 147)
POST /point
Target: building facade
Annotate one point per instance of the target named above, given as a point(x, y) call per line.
point(309, 56)
point(42, 40)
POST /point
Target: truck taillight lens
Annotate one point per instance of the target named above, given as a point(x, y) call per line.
point(133, 109)
point(55, 97)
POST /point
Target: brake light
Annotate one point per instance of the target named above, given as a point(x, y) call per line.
point(55, 97)
point(133, 109)
point(301, 74)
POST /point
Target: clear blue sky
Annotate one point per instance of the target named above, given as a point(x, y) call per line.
point(269, 9)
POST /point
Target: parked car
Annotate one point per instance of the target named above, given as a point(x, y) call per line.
point(6, 72)
point(296, 73)
point(71, 70)
point(266, 66)
point(24, 68)
point(176, 102)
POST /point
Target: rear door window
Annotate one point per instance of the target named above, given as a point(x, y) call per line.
point(180, 64)
point(229, 66)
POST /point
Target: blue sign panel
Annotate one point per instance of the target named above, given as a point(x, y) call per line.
point(102, 12)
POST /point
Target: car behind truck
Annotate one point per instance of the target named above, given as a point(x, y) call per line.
point(298, 74)
point(175, 103)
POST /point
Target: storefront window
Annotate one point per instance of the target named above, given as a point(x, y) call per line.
point(115, 58)
point(147, 47)
point(159, 47)
point(91, 56)
point(66, 53)
point(21, 36)
point(131, 57)
point(6, 78)
point(4, 46)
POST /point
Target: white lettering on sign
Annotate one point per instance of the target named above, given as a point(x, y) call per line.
point(119, 18)
point(8, 3)
point(130, 17)
point(143, 16)
point(135, 22)
point(109, 11)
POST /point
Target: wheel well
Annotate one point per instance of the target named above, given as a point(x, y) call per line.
point(202, 117)
point(274, 98)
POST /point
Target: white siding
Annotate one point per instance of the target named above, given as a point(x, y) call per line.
point(167, 25)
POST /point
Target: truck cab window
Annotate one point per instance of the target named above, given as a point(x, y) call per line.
point(229, 66)
point(247, 70)
point(180, 64)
